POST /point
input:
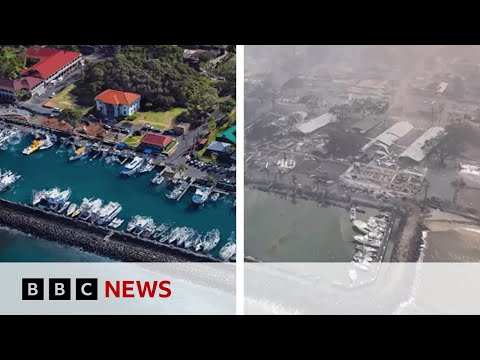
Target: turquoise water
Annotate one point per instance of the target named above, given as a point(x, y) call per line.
point(95, 178)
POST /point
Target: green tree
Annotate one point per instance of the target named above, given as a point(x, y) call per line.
point(66, 47)
point(23, 95)
point(227, 106)
point(212, 124)
point(205, 57)
point(12, 61)
point(228, 71)
point(214, 159)
point(70, 116)
point(182, 168)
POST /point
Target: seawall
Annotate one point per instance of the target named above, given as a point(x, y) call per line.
point(91, 238)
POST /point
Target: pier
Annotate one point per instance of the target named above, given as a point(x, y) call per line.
point(192, 180)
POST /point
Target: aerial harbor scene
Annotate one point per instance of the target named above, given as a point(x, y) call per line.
point(100, 164)
point(362, 154)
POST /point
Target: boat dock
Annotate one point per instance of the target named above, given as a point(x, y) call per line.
point(192, 180)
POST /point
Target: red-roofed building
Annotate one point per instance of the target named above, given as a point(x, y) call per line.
point(9, 88)
point(114, 103)
point(156, 142)
point(51, 63)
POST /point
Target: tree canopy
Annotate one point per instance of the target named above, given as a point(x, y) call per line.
point(156, 72)
point(66, 47)
point(227, 70)
point(70, 116)
point(12, 61)
point(450, 143)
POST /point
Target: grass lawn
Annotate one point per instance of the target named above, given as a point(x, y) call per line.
point(66, 100)
point(158, 120)
point(133, 141)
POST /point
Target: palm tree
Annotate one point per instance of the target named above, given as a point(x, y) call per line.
point(183, 168)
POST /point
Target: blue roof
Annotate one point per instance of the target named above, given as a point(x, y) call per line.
point(218, 146)
point(148, 151)
point(121, 145)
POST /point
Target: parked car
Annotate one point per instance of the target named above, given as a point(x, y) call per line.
point(53, 95)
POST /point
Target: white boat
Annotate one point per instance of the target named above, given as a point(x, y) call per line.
point(46, 143)
point(174, 235)
point(214, 197)
point(191, 240)
point(201, 195)
point(133, 223)
point(361, 226)
point(71, 209)
point(187, 233)
point(92, 210)
point(360, 257)
point(108, 212)
point(63, 207)
point(7, 179)
point(133, 166)
point(146, 166)
point(142, 224)
point(366, 241)
point(158, 179)
point(375, 235)
point(353, 213)
point(149, 230)
point(366, 248)
point(227, 251)
point(365, 266)
point(211, 240)
point(162, 229)
point(116, 223)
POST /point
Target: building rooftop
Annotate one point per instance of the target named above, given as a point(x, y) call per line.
point(157, 140)
point(415, 151)
point(116, 97)
point(219, 146)
point(27, 83)
point(229, 134)
point(392, 134)
point(51, 60)
point(316, 123)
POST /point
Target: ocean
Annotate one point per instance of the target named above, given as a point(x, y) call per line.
point(95, 178)
point(277, 229)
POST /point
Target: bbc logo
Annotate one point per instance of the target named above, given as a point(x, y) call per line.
point(59, 289)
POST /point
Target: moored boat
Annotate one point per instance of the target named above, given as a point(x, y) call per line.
point(133, 166)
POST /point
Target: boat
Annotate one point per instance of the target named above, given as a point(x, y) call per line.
point(142, 224)
point(175, 234)
point(227, 251)
point(211, 240)
point(7, 179)
point(147, 166)
point(366, 248)
point(199, 244)
point(366, 241)
point(361, 226)
point(360, 257)
point(108, 213)
point(80, 152)
point(375, 235)
point(178, 190)
point(214, 197)
point(34, 146)
point(63, 207)
point(76, 213)
point(187, 233)
point(201, 195)
point(158, 179)
point(46, 144)
point(90, 208)
point(365, 266)
point(353, 213)
point(133, 223)
point(149, 230)
point(116, 223)
point(71, 209)
point(162, 229)
point(133, 166)
point(54, 195)
point(191, 240)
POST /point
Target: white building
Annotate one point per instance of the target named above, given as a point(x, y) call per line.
point(114, 103)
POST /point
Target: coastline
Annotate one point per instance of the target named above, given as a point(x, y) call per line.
point(91, 238)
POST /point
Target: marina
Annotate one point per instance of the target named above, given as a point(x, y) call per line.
point(95, 176)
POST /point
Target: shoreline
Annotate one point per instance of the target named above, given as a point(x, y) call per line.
point(406, 242)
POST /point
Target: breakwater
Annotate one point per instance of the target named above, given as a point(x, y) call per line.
point(92, 238)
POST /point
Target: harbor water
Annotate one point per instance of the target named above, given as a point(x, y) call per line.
point(279, 230)
point(96, 178)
